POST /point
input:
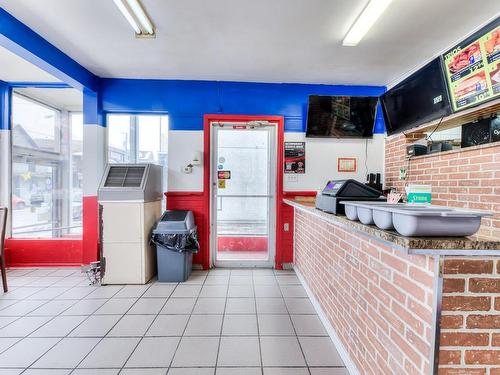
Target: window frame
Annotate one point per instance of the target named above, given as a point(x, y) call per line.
point(52, 158)
point(135, 137)
point(134, 122)
point(58, 111)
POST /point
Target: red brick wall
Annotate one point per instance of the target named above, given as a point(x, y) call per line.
point(378, 300)
point(466, 178)
point(470, 322)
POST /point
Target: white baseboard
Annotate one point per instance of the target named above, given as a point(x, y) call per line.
point(349, 364)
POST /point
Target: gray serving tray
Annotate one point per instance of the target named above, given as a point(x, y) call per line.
point(417, 220)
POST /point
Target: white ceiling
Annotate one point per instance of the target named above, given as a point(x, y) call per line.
point(257, 40)
point(68, 99)
point(15, 69)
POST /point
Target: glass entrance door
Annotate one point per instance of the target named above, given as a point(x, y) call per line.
point(243, 195)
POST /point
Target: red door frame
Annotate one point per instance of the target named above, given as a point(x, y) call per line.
point(280, 123)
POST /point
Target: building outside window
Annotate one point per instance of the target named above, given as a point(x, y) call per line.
point(76, 176)
point(46, 170)
point(138, 139)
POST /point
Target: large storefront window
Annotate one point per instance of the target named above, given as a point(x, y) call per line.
point(138, 139)
point(46, 170)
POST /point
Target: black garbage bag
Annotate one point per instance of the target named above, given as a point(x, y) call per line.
point(179, 242)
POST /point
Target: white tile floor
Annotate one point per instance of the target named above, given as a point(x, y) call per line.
point(223, 322)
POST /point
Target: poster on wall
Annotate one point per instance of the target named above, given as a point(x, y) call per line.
point(346, 164)
point(472, 68)
point(295, 157)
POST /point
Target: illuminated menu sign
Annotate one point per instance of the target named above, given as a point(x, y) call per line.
point(472, 68)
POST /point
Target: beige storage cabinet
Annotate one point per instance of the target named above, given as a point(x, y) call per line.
point(130, 205)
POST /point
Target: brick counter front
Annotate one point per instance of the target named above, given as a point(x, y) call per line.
point(470, 320)
point(383, 303)
point(378, 300)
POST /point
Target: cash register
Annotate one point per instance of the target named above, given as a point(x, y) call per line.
point(329, 198)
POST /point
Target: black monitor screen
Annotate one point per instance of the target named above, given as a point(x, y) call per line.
point(341, 116)
point(420, 98)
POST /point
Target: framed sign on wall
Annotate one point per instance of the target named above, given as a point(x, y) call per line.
point(346, 164)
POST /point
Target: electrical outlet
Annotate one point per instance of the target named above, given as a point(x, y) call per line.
point(286, 227)
point(402, 173)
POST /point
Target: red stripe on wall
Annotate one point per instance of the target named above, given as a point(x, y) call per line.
point(40, 252)
point(288, 218)
point(90, 247)
point(194, 201)
point(43, 252)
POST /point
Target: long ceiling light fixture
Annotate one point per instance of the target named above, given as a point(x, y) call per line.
point(134, 13)
point(365, 21)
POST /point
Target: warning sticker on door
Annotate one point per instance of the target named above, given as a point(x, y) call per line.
point(224, 175)
point(222, 184)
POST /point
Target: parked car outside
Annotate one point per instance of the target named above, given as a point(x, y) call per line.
point(18, 203)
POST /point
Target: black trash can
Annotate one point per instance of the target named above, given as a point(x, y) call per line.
point(176, 240)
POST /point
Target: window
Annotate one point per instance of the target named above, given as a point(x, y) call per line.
point(46, 170)
point(76, 174)
point(138, 139)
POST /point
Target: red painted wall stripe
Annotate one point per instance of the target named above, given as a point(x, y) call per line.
point(43, 252)
point(288, 218)
point(194, 201)
point(90, 246)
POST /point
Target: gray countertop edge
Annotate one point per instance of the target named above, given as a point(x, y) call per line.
point(451, 246)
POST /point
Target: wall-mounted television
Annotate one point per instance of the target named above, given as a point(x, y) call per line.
point(472, 68)
point(419, 98)
point(341, 116)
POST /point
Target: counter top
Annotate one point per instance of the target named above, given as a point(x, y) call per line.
point(473, 245)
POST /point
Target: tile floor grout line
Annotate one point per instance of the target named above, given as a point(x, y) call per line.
point(66, 336)
point(222, 323)
point(144, 335)
point(26, 315)
point(206, 274)
point(26, 297)
point(109, 330)
point(258, 327)
point(57, 342)
point(60, 314)
point(41, 288)
point(185, 327)
point(294, 330)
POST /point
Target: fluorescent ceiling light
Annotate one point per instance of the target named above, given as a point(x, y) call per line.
point(134, 13)
point(365, 21)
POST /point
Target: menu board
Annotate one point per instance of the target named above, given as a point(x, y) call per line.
point(472, 68)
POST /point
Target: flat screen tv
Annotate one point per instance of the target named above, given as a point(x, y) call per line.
point(472, 68)
point(341, 116)
point(419, 98)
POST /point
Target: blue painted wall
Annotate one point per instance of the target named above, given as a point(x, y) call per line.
point(187, 101)
point(5, 106)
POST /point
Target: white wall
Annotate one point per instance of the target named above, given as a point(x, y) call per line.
point(182, 145)
point(321, 160)
point(94, 157)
